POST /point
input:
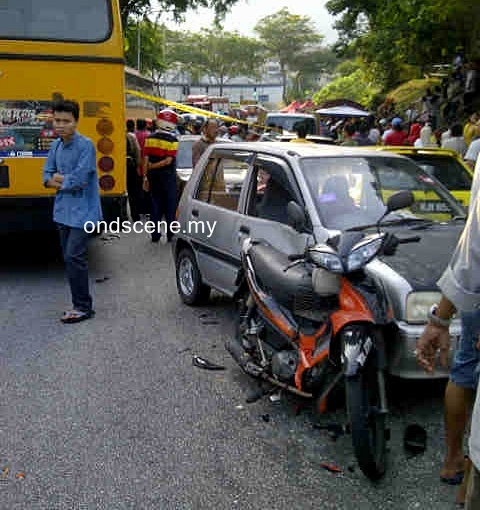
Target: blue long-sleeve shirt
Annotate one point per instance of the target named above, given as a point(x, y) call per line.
point(78, 200)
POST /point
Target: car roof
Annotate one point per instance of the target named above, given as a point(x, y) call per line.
point(407, 149)
point(303, 150)
point(290, 114)
point(425, 151)
point(187, 137)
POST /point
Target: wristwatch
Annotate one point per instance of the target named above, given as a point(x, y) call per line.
point(438, 321)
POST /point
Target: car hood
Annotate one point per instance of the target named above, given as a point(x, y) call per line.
point(422, 263)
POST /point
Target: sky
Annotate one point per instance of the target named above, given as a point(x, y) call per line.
point(244, 15)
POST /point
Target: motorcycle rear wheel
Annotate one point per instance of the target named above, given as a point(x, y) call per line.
point(368, 424)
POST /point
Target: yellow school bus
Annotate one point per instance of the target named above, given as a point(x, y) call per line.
point(51, 49)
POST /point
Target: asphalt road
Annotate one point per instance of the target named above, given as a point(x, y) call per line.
point(111, 414)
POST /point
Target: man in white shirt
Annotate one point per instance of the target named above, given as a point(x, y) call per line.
point(471, 156)
point(460, 286)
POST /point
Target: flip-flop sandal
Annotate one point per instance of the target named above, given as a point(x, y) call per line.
point(453, 480)
point(75, 316)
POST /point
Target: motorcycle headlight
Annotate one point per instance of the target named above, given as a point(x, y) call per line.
point(418, 305)
point(329, 261)
point(363, 253)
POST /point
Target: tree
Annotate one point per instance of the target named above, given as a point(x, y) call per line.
point(355, 87)
point(177, 8)
point(225, 55)
point(152, 59)
point(390, 33)
point(285, 37)
point(307, 68)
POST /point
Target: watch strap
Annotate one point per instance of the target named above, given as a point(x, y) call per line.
point(438, 321)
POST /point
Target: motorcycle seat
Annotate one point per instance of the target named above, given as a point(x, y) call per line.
point(285, 286)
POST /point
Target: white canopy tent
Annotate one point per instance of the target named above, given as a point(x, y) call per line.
point(342, 111)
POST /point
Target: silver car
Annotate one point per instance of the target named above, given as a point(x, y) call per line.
point(223, 203)
point(184, 159)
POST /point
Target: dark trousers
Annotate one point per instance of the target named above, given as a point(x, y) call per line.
point(134, 190)
point(74, 242)
point(163, 190)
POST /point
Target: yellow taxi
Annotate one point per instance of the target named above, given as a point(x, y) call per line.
point(444, 164)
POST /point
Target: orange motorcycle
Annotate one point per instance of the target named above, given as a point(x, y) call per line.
point(312, 321)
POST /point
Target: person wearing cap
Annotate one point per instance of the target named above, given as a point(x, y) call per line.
point(234, 132)
point(160, 154)
point(397, 136)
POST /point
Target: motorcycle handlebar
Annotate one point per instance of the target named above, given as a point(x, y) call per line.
point(296, 256)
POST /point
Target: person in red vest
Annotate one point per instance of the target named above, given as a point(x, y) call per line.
point(397, 136)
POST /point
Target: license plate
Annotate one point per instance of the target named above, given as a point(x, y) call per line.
point(4, 178)
point(433, 206)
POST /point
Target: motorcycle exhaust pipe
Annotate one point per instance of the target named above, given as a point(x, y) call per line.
point(235, 348)
point(238, 353)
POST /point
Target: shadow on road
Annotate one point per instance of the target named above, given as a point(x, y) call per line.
point(29, 251)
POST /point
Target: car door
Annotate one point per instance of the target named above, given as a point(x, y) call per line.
point(214, 215)
point(270, 224)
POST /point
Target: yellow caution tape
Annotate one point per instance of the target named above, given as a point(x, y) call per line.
point(188, 109)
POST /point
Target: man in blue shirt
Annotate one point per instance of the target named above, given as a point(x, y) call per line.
point(70, 168)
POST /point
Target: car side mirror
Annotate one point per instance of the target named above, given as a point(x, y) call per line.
point(400, 200)
point(297, 218)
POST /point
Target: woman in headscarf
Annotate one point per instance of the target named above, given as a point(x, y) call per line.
point(425, 139)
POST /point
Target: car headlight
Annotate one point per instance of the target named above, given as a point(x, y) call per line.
point(329, 261)
point(418, 305)
point(363, 253)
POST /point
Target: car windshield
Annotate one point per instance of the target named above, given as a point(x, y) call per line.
point(352, 191)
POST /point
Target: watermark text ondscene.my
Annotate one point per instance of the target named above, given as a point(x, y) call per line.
point(125, 227)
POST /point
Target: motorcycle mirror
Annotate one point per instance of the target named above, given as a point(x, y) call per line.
point(296, 216)
point(398, 200)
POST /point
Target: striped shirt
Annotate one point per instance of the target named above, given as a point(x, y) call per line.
point(161, 145)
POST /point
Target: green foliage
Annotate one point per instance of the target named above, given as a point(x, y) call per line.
point(216, 53)
point(411, 92)
point(146, 32)
point(355, 87)
point(347, 67)
point(389, 33)
point(287, 38)
point(176, 7)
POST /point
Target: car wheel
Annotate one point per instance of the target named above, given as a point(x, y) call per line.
point(189, 280)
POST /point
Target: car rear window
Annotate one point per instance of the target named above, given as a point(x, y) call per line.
point(447, 170)
point(184, 154)
point(287, 122)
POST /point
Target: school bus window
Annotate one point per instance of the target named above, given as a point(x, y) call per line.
point(56, 20)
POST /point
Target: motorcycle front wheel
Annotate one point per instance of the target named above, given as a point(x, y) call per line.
point(367, 421)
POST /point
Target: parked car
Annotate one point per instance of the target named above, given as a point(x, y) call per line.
point(444, 164)
point(225, 192)
point(184, 160)
point(287, 122)
point(325, 140)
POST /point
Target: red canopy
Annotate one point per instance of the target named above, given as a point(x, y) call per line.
point(291, 108)
point(307, 105)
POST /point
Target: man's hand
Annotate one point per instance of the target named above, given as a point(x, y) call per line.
point(58, 178)
point(51, 183)
point(433, 338)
